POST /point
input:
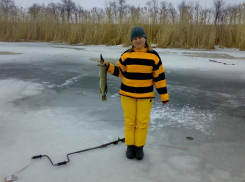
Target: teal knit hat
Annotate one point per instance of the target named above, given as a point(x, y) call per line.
point(137, 32)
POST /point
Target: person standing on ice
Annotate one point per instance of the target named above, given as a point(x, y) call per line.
point(140, 68)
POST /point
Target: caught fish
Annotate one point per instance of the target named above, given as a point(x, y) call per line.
point(103, 79)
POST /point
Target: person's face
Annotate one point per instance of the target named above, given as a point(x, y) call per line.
point(139, 42)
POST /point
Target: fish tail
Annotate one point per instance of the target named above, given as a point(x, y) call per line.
point(104, 98)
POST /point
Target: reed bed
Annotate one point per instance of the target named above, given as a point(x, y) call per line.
point(188, 26)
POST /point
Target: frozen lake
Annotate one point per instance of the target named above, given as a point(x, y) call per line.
point(51, 105)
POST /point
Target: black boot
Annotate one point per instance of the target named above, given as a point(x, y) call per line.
point(139, 154)
point(130, 153)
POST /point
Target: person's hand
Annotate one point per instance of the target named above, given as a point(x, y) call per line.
point(105, 63)
point(164, 103)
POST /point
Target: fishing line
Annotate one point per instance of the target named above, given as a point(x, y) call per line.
point(14, 177)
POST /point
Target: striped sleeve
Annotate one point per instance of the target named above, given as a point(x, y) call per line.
point(159, 79)
point(117, 70)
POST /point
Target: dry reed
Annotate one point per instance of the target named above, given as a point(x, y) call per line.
point(185, 29)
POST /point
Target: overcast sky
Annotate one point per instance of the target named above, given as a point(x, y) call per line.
point(88, 4)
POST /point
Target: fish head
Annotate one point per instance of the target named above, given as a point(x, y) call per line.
point(101, 60)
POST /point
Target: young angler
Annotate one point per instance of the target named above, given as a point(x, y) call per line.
point(140, 68)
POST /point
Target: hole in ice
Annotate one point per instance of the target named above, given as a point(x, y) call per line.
point(189, 138)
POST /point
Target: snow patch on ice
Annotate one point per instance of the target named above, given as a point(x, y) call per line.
point(13, 89)
point(187, 117)
point(115, 95)
point(68, 82)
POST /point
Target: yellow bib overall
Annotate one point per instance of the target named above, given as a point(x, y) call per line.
point(137, 118)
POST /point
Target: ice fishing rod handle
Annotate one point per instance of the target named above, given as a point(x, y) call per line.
point(37, 156)
point(62, 163)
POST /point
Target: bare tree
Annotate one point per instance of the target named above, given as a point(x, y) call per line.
point(241, 14)
point(77, 12)
point(114, 9)
point(122, 7)
point(134, 13)
point(173, 13)
point(80, 12)
point(96, 14)
point(232, 14)
point(34, 10)
point(69, 7)
point(153, 8)
point(197, 12)
point(163, 12)
point(7, 7)
point(53, 8)
point(204, 15)
point(108, 10)
point(185, 11)
point(61, 10)
point(218, 5)
point(111, 10)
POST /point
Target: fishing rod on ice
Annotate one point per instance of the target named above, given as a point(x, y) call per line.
point(65, 162)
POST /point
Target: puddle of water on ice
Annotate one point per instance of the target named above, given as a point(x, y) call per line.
point(78, 49)
point(8, 53)
point(211, 55)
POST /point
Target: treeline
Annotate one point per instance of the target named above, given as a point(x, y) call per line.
point(188, 26)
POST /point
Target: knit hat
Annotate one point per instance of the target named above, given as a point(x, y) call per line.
point(137, 32)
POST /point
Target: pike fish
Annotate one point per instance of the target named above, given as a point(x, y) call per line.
point(103, 79)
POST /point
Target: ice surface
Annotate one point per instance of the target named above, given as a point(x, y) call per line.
point(51, 105)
